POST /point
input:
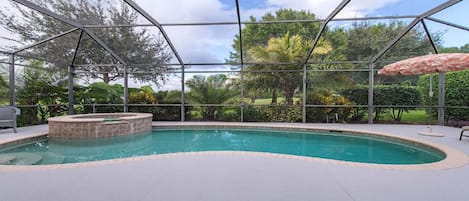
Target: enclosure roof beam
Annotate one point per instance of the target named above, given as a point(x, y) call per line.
point(248, 22)
point(42, 10)
point(411, 25)
point(448, 23)
point(45, 40)
point(77, 48)
point(23, 56)
point(323, 27)
point(240, 35)
point(5, 52)
point(70, 22)
point(231, 64)
point(429, 36)
point(157, 24)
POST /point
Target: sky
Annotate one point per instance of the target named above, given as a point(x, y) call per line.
point(212, 44)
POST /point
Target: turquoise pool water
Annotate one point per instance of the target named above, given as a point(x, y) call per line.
point(330, 145)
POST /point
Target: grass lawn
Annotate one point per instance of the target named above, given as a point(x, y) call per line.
point(413, 116)
point(417, 116)
point(267, 101)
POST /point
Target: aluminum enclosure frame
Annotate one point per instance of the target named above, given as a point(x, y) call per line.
point(85, 30)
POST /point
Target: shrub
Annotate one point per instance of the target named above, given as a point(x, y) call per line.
point(386, 95)
point(252, 113)
point(283, 113)
point(328, 98)
point(230, 114)
point(359, 96)
point(396, 95)
point(456, 85)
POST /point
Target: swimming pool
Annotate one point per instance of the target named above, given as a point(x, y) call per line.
point(328, 145)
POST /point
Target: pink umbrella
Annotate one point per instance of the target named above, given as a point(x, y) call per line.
point(433, 63)
point(428, 64)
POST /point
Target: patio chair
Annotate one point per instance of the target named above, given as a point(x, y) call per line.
point(8, 117)
point(464, 128)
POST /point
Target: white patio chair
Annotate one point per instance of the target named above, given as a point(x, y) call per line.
point(8, 117)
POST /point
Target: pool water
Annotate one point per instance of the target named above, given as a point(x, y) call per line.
point(329, 145)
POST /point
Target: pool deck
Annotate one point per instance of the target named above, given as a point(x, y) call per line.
point(241, 176)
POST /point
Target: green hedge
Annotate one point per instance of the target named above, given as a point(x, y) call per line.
point(457, 93)
point(392, 95)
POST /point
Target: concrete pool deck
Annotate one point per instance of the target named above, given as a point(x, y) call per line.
point(241, 176)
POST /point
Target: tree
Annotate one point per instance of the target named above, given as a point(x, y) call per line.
point(43, 89)
point(365, 40)
point(331, 47)
point(3, 89)
point(285, 49)
point(256, 84)
point(258, 35)
point(462, 49)
point(214, 89)
point(99, 93)
point(134, 46)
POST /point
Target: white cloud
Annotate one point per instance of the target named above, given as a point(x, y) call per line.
point(178, 11)
point(322, 8)
point(203, 44)
point(196, 43)
point(360, 8)
point(7, 38)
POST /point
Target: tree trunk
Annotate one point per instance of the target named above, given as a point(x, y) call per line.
point(289, 91)
point(106, 78)
point(210, 113)
point(253, 99)
point(274, 96)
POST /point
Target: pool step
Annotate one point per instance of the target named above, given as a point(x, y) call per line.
point(23, 158)
point(20, 158)
point(5, 159)
point(51, 158)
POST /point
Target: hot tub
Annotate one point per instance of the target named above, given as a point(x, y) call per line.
point(99, 125)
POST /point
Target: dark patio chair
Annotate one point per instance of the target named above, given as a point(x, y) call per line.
point(464, 128)
point(8, 117)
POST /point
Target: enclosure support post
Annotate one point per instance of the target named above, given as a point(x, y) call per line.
point(242, 94)
point(441, 99)
point(12, 80)
point(126, 89)
point(304, 94)
point(71, 70)
point(371, 80)
point(70, 89)
point(241, 56)
point(183, 90)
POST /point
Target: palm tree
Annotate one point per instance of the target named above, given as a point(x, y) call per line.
point(214, 89)
point(285, 49)
point(260, 83)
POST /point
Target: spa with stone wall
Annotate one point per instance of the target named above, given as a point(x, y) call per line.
point(99, 125)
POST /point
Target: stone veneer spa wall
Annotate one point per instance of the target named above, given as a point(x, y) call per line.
point(99, 125)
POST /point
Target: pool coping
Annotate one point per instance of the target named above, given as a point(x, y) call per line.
point(454, 158)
